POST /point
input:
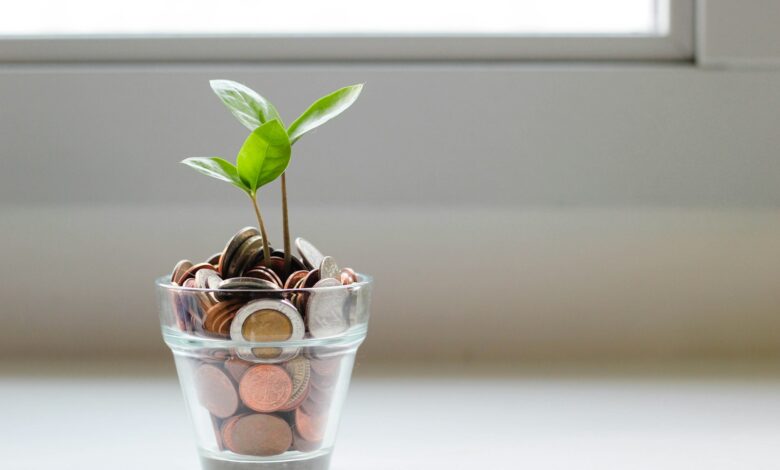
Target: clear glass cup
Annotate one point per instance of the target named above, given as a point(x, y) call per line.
point(270, 404)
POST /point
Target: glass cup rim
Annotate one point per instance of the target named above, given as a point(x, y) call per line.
point(164, 282)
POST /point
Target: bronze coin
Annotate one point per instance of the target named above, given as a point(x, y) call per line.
point(232, 245)
point(265, 388)
point(310, 427)
point(259, 434)
point(179, 270)
point(236, 367)
point(216, 391)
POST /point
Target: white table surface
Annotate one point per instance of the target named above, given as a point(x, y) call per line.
point(714, 416)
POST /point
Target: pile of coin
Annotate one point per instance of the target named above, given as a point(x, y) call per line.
point(265, 400)
point(249, 305)
point(267, 409)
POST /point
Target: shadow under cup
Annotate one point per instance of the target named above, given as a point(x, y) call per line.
point(264, 404)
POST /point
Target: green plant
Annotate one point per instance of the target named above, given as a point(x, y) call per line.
point(266, 152)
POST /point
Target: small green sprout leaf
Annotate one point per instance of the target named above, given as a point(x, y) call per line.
point(323, 110)
point(216, 168)
point(264, 155)
point(251, 109)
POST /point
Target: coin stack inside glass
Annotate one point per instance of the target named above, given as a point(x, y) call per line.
point(265, 400)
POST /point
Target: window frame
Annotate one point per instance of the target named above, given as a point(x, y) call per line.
point(678, 45)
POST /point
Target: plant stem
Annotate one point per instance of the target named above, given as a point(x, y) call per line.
point(286, 226)
point(266, 249)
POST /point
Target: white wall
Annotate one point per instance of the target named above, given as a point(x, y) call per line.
point(513, 211)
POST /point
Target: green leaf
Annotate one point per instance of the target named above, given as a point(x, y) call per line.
point(323, 110)
point(264, 155)
point(216, 168)
point(251, 109)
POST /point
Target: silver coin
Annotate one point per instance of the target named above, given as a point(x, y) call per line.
point(202, 278)
point(329, 269)
point(282, 306)
point(207, 279)
point(311, 256)
point(233, 244)
point(325, 309)
point(244, 256)
point(238, 284)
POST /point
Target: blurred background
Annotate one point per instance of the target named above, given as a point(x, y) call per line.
point(582, 190)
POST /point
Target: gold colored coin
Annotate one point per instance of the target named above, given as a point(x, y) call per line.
point(266, 325)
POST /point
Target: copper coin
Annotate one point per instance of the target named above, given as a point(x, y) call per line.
point(226, 430)
point(321, 396)
point(265, 388)
point(266, 274)
point(259, 434)
point(313, 277)
point(276, 264)
point(310, 427)
point(236, 367)
point(214, 259)
point(313, 408)
point(302, 445)
point(351, 273)
point(295, 263)
point(179, 270)
point(218, 318)
point(294, 278)
point(233, 244)
point(345, 278)
point(216, 391)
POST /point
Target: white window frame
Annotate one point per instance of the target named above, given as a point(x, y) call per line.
point(677, 45)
